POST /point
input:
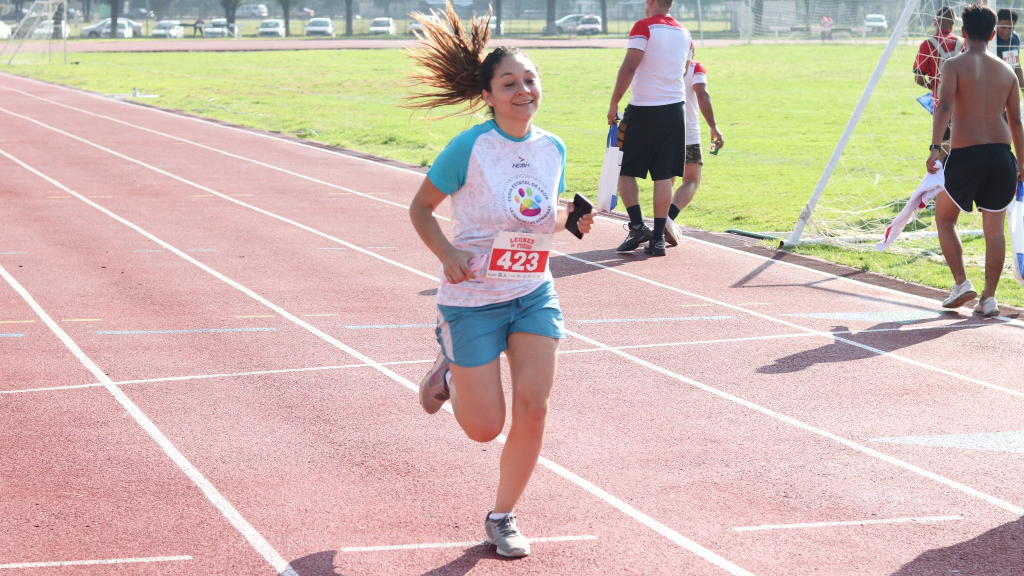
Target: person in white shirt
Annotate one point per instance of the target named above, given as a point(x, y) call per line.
point(496, 294)
point(653, 69)
point(697, 97)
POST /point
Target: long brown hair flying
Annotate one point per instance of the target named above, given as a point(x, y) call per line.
point(449, 62)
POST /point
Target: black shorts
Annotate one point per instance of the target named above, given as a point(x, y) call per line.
point(649, 137)
point(985, 175)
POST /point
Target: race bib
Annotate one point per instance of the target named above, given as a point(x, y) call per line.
point(519, 256)
point(1012, 57)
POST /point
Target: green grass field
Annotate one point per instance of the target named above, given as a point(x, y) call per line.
point(781, 107)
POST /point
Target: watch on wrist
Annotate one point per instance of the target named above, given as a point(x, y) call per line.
point(935, 147)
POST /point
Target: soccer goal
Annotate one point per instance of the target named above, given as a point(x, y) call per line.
point(879, 159)
point(39, 37)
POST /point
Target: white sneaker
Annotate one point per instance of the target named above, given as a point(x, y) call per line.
point(960, 295)
point(672, 233)
point(505, 535)
point(987, 307)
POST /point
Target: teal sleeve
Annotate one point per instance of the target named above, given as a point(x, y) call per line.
point(448, 172)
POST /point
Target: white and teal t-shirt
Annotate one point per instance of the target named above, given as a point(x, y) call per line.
point(497, 184)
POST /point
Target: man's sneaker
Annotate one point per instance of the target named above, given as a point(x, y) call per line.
point(987, 306)
point(655, 247)
point(960, 295)
point(637, 236)
point(504, 534)
point(672, 233)
point(433, 388)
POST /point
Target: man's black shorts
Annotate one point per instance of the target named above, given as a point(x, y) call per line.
point(985, 175)
point(653, 140)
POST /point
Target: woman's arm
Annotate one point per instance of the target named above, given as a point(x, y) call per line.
point(421, 212)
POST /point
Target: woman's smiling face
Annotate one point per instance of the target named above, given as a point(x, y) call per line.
point(515, 89)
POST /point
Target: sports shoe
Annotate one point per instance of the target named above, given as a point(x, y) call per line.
point(672, 233)
point(637, 236)
point(505, 535)
point(987, 306)
point(655, 247)
point(433, 388)
point(960, 295)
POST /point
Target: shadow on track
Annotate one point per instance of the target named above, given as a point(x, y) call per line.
point(998, 552)
point(322, 563)
point(562, 266)
point(838, 351)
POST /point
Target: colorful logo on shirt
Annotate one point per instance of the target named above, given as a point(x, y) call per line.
point(529, 204)
point(521, 163)
point(527, 200)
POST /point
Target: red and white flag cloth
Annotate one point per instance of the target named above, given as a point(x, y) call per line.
point(929, 188)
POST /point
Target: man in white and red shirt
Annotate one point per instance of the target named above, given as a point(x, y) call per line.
point(654, 68)
point(698, 102)
point(938, 48)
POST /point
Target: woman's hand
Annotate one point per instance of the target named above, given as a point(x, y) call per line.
point(586, 221)
point(456, 265)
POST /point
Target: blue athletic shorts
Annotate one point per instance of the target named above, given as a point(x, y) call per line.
point(474, 336)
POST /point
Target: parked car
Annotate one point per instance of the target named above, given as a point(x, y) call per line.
point(45, 30)
point(219, 28)
point(5, 31)
point(303, 13)
point(567, 23)
point(493, 22)
point(320, 27)
point(252, 11)
point(382, 26)
point(876, 23)
point(14, 16)
point(96, 30)
point(415, 26)
point(273, 28)
point(168, 29)
point(123, 30)
point(589, 25)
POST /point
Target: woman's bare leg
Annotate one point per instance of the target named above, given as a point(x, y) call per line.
point(532, 360)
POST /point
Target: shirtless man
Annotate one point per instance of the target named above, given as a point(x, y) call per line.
point(976, 89)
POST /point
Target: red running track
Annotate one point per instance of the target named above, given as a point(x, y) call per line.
point(211, 337)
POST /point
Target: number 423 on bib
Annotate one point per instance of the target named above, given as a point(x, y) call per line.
point(519, 256)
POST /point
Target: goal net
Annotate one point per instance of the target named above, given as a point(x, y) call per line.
point(40, 37)
point(879, 159)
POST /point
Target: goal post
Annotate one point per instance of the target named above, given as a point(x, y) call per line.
point(31, 40)
point(851, 125)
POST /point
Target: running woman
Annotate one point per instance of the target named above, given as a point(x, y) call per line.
point(503, 177)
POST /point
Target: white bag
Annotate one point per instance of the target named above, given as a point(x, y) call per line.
point(608, 186)
point(1016, 214)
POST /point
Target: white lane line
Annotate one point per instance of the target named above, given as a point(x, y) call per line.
point(658, 527)
point(306, 177)
point(208, 190)
point(92, 562)
point(635, 320)
point(991, 499)
point(847, 523)
point(906, 296)
point(871, 349)
point(997, 502)
point(894, 461)
point(854, 343)
point(230, 513)
point(211, 376)
point(458, 544)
